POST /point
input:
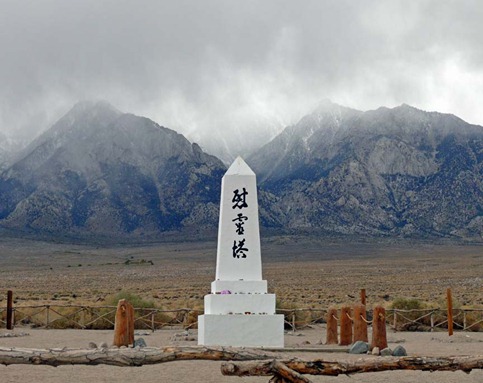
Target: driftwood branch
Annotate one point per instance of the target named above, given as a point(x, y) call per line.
point(321, 367)
point(287, 374)
point(281, 372)
point(123, 357)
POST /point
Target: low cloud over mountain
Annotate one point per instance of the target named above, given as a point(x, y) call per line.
point(399, 171)
point(104, 172)
point(386, 172)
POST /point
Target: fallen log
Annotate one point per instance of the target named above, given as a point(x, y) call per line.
point(281, 373)
point(322, 367)
point(286, 374)
point(124, 357)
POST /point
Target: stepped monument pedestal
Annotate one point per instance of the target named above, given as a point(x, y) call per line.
point(239, 312)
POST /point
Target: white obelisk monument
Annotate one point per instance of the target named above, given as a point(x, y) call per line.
point(239, 312)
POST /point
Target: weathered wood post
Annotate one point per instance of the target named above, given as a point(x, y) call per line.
point(131, 323)
point(363, 297)
point(185, 319)
point(379, 337)
point(124, 324)
point(47, 315)
point(9, 310)
point(450, 311)
point(345, 326)
point(331, 337)
point(83, 318)
point(360, 324)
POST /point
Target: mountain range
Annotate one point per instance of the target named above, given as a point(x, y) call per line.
point(399, 171)
point(386, 172)
point(104, 172)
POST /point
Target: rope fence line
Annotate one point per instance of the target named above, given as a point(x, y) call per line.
point(438, 318)
point(92, 317)
point(365, 320)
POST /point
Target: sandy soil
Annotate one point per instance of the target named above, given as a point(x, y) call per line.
point(303, 271)
point(422, 344)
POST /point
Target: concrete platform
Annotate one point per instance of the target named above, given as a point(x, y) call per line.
point(241, 286)
point(241, 330)
point(240, 304)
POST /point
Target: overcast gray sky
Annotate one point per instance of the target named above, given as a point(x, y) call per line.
point(217, 65)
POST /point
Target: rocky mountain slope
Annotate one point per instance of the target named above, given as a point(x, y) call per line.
point(398, 171)
point(387, 172)
point(101, 171)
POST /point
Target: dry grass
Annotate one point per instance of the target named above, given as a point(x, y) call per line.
point(303, 272)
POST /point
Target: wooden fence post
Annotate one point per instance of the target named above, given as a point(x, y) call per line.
point(360, 324)
point(124, 324)
point(379, 337)
point(331, 337)
point(185, 321)
point(131, 323)
point(363, 297)
point(9, 310)
point(47, 321)
point(83, 318)
point(450, 311)
point(345, 326)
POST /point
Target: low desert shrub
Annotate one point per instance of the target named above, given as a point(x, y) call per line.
point(407, 304)
point(405, 318)
point(474, 320)
point(135, 300)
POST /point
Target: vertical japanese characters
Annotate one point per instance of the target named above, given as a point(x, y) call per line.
point(239, 201)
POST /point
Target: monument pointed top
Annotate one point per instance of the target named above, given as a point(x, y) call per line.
point(239, 167)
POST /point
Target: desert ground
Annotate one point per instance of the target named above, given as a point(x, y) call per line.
point(427, 344)
point(304, 272)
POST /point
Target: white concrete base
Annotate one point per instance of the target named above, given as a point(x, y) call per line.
point(240, 304)
point(259, 287)
point(241, 330)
